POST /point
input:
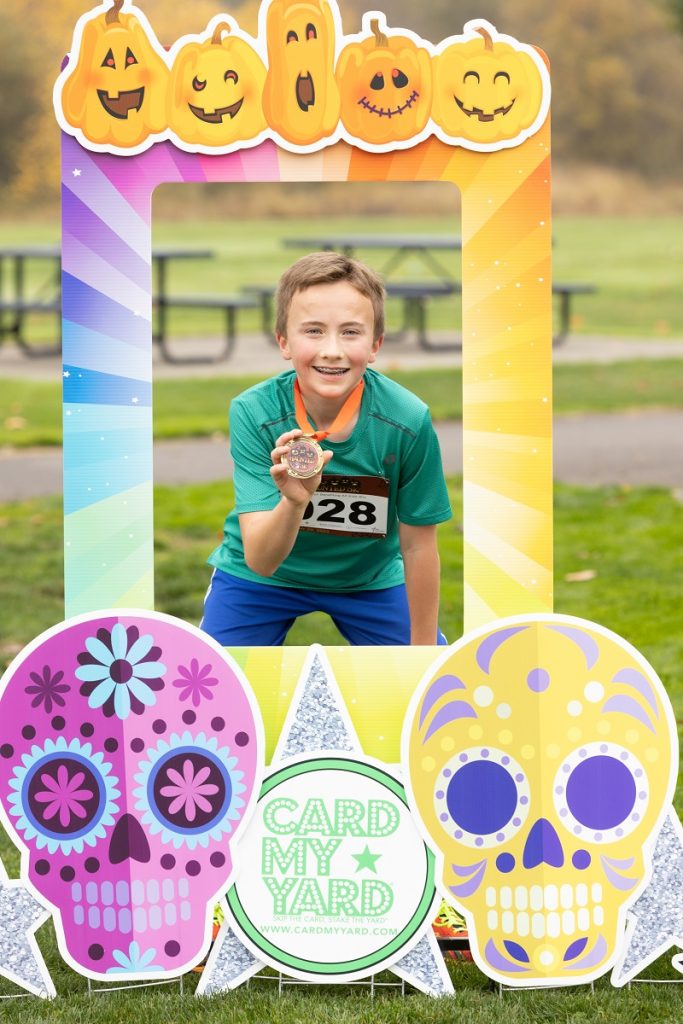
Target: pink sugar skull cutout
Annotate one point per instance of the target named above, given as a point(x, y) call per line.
point(129, 756)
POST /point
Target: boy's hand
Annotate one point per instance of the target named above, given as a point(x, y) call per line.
point(292, 488)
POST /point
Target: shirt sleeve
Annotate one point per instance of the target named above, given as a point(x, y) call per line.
point(250, 448)
point(422, 494)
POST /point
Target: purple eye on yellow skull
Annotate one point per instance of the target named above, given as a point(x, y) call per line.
point(482, 797)
point(601, 792)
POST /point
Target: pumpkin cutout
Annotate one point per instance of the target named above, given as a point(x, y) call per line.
point(116, 92)
point(486, 90)
point(301, 99)
point(385, 84)
point(214, 98)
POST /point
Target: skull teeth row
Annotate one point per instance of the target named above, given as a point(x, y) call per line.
point(543, 897)
point(541, 926)
point(122, 907)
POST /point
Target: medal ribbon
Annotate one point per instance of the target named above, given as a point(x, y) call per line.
point(344, 416)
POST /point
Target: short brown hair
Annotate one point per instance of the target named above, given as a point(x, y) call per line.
point(327, 268)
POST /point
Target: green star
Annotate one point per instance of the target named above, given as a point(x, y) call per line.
point(366, 859)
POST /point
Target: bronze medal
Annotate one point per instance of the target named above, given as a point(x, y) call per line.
point(304, 458)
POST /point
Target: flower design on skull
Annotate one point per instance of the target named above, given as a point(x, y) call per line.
point(120, 671)
point(64, 793)
point(64, 796)
point(134, 961)
point(48, 689)
point(189, 790)
point(196, 682)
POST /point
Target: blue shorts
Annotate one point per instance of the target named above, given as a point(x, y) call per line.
point(239, 613)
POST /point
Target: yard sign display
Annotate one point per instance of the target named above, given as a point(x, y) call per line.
point(533, 716)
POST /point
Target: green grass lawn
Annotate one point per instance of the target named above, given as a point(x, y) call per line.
point(631, 539)
point(634, 263)
point(31, 411)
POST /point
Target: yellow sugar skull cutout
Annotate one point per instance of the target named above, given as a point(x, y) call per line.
point(113, 89)
point(542, 756)
point(385, 83)
point(489, 90)
point(301, 99)
point(216, 88)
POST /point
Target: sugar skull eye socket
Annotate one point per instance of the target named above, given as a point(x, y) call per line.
point(377, 82)
point(63, 797)
point(601, 792)
point(482, 797)
point(189, 791)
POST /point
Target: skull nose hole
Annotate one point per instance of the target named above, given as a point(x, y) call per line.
point(543, 846)
point(129, 842)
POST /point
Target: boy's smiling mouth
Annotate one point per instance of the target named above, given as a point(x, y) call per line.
point(331, 371)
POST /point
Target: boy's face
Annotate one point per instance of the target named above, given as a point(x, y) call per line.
point(330, 339)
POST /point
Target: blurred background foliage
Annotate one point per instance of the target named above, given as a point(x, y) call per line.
point(617, 74)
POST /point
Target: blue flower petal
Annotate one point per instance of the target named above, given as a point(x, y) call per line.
point(99, 650)
point(122, 702)
point(150, 670)
point(101, 694)
point(92, 673)
point(141, 647)
point(119, 640)
point(142, 692)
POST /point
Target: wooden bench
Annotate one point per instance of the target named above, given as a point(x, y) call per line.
point(415, 295)
point(13, 313)
point(228, 304)
point(565, 293)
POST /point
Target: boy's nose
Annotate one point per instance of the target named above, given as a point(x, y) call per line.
point(331, 346)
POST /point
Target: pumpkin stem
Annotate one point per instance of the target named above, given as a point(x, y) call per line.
point(112, 15)
point(488, 41)
point(380, 38)
point(220, 28)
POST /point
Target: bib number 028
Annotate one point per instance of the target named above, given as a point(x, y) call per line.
point(350, 514)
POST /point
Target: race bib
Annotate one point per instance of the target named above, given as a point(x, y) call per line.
point(356, 506)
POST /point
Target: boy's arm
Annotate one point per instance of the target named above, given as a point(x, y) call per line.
point(422, 569)
point(268, 537)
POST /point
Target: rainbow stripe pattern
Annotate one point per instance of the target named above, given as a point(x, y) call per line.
point(107, 346)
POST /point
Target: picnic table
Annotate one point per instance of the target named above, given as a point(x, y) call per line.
point(16, 304)
point(415, 294)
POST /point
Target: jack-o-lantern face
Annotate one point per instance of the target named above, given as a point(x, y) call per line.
point(216, 87)
point(386, 88)
point(486, 90)
point(301, 99)
point(116, 93)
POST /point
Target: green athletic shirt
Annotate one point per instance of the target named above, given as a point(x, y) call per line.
point(393, 438)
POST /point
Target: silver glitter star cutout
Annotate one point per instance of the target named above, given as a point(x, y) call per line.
point(318, 722)
point(20, 958)
point(656, 917)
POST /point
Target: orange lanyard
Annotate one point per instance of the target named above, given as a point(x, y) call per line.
point(344, 416)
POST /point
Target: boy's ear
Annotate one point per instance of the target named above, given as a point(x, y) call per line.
point(376, 346)
point(283, 346)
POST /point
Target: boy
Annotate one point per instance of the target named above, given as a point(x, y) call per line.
point(347, 526)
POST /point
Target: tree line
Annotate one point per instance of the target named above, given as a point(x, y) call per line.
point(616, 67)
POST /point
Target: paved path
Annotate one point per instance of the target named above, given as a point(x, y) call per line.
point(255, 355)
point(639, 448)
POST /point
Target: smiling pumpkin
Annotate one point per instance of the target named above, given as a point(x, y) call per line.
point(116, 92)
point(486, 90)
point(216, 88)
